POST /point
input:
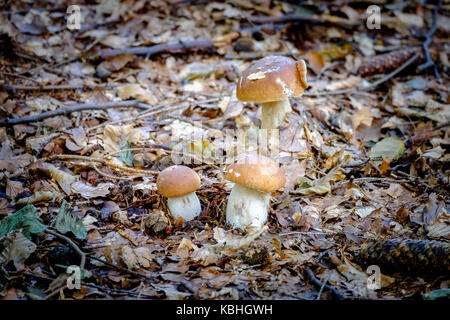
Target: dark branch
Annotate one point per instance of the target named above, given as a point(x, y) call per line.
point(170, 47)
point(74, 108)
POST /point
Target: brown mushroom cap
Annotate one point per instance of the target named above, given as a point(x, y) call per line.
point(256, 172)
point(272, 78)
point(177, 181)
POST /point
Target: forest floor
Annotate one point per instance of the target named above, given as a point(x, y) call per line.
point(90, 116)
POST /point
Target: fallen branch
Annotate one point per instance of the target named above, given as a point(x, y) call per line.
point(109, 176)
point(170, 47)
point(12, 87)
point(69, 157)
point(284, 19)
point(74, 108)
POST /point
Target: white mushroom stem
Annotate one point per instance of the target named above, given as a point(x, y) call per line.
point(274, 113)
point(247, 207)
point(187, 206)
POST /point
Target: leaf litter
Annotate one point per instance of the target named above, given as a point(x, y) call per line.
point(363, 165)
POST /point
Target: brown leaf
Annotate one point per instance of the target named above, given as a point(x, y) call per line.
point(14, 188)
point(14, 163)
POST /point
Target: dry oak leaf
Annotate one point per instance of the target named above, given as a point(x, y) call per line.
point(16, 162)
point(136, 257)
point(116, 138)
point(88, 191)
point(137, 92)
point(364, 116)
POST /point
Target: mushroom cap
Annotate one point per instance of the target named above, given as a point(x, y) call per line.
point(177, 181)
point(256, 172)
point(272, 78)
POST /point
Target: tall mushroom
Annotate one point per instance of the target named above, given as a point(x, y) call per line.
point(178, 184)
point(255, 177)
point(271, 81)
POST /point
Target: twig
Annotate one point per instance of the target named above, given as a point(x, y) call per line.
point(152, 112)
point(18, 76)
point(369, 87)
point(359, 164)
point(442, 125)
point(412, 178)
point(430, 63)
point(149, 148)
point(55, 292)
point(103, 161)
point(12, 87)
point(319, 284)
point(382, 179)
point(105, 289)
point(94, 165)
point(75, 108)
point(285, 18)
point(72, 244)
point(329, 233)
point(170, 47)
point(322, 287)
point(121, 269)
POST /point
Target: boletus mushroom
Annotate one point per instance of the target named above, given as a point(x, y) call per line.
point(178, 184)
point(272, 81)
point(255, 177)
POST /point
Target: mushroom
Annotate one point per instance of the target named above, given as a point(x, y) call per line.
point(255, 177)
point(271, 81)
point(178, 184)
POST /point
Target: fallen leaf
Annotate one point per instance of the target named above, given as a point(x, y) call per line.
point(137, 92)
point(16, 248)
point(25, 219)
point(13, 163)
point(322, 185)
point(89, 192)
point(390, 148)
point(66, 221)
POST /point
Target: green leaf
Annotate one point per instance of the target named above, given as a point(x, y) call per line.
point(299, 9)
point(66, 221)
point(127, 156)
point(25, 219)
point(388, 148)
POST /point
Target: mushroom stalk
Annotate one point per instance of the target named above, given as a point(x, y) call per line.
point(187, 206)
point(274, 113)
point(247, 207)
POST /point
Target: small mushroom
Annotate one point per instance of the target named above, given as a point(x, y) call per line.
point(255, 177)
point(271, 81)
point(178, 184)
